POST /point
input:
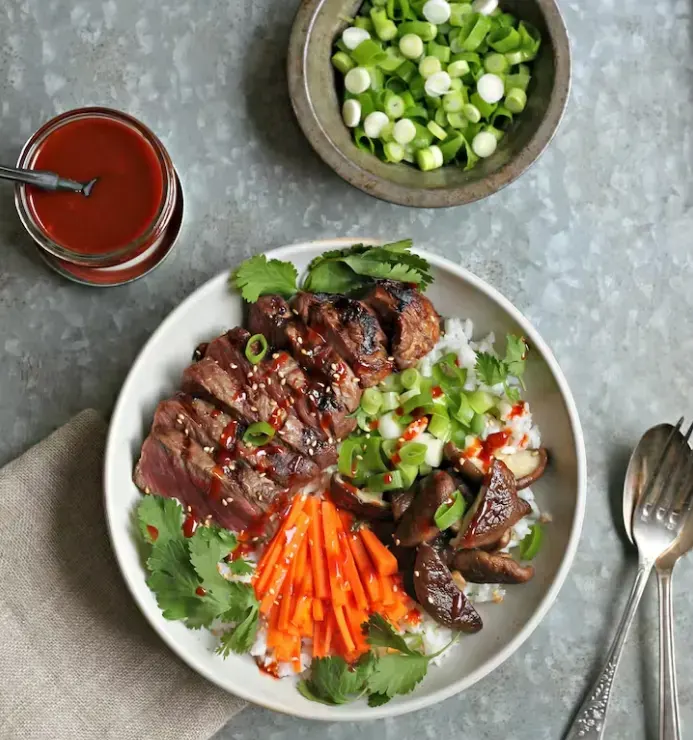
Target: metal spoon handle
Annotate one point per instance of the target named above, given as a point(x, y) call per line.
point(590, 721)
point(44, 180)
point(668, 694)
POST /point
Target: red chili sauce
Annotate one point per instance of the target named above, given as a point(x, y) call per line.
point(124, 202)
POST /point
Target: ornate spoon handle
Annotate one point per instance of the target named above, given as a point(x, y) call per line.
point(590, 720)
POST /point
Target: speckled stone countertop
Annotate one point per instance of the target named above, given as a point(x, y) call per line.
point(593, 244)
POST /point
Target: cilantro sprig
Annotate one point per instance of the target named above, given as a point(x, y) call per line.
point(392, 667)
point(337, 271)
point(492, 370)
point(185, 577)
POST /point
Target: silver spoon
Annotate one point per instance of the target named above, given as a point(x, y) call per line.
point(665, 477)
point(46, 180)
point(669, 723)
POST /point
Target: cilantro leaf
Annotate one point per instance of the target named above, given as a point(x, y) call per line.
point(377, 700)
point(240, 638)
point(240, 567)
point(259, 276)
point(490, 369)
point(513, 393)
point(174, 581)
point(208, 547)
point(332, 277)
point(397, 674)
point(515, 355)
point(332, 681)
point(159, 519)
point(379, 633)
point(239, 597)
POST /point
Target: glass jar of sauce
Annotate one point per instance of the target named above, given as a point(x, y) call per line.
point(130, 207)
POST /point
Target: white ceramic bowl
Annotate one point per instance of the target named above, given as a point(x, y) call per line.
point(212, 309)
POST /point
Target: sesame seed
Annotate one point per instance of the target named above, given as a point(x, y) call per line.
point(294, 312)
point(254, 539)
point(303, 352)
point(359, 457)
point(394, 588)
point(253, 408)
point(223, 502)
point(147, 489)
point(299, 340)
point(269, 381)
point(187, 433)
point(397, 542)
point(311, 451)
point(391, 359)
point(416, 573)
point(275, 355)
point(271, 591)
point(368, 436)
point(283, 381)
point(254, 386)
point(430, 599)
point(263, 475)
point(232, 466)
point(188, 509)
point(250, 374)
point(234, 367)
point(333, 366)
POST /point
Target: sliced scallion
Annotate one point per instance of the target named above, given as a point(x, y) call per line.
point(371, 401)
point(258, 434)
point(531, 543)
point(411, 378)
point(251, 354)
point(347, 462)
point(448, 513)
point(390, 481)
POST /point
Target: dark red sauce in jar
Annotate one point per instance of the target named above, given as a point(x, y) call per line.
point(124, 202)
point(129, 208)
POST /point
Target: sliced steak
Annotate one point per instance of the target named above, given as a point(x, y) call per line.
point(271, 316)
point(173, 465)
point(409, 317)
point(250, 403)
point(218, 433)
point(352, 328)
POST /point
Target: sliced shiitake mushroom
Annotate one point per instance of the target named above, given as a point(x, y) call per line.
point(400, 501)
point(438, 594)
point(497, 507)
point(478, 566)
point(363, 504)
point(417, 524)
point(526, 465)
point(469, 472)
point(500, 543)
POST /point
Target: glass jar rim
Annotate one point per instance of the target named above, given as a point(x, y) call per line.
point(130, 250)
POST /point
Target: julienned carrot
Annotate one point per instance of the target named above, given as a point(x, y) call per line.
point(355, 618)
point(343, 627)
point(329, 528)
point(329, 631)
point(384, 561)
point(286, 605)
point(266, 565)
point(388, 594)
point(280, 570)
point(317, 553)
point(397, 611)
point(318, 630)
point(351, 573)
point(363, 563)
point(303, 603)
point(318, 610)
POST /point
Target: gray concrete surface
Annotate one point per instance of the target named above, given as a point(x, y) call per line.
point(594, 245)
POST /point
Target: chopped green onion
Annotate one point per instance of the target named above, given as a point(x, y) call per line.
point(520, 79)
point(394, 105)
point(531, 543)
point(411, 378)
point(347, 462)
point(412, 453)
point(392, 62)
point(440, 427)
point(471, 113)
point(252, 356)
point(473, 31)
point(516, 100)
point(424, 30)
point(342, 62)
point(457, 120)
point(372, 456)
point(258, 434)
point(460, 68)
point(392, 382)
point(430, 158)
point(425, 469)
point(464, 412)
point(390, 481)
point(453, 102)
point(495, 63)
point(371, 401)
point(393, 151)
point(408, 474)
point(429, 66)
point(480, 401)
point(478, 424)
point(504, 39)
point(388, 447)
point(451, 146)
point(438, 50)
point(458, 13)
point(420, 400)
point(486, 109)
point(411, 46)
point(423, 138)
point(384, 28)
point(390, 401)
point(436, 130)
point(448, 513)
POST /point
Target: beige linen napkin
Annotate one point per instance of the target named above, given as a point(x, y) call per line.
point(77, 659)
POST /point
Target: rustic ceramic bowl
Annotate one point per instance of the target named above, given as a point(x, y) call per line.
point(312, 87)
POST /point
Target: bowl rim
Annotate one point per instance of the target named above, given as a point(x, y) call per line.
point(413, 703)
point(445, 197)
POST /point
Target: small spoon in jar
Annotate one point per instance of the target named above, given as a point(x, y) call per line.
point(46, 180)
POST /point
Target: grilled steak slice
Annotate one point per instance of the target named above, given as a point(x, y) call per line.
point(352, 328)
point(250, 403)
point(271, 316)
point(222, 437)
point(409, 316)
point(173, 465)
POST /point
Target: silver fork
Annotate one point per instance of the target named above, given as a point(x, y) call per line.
point(658, 519)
